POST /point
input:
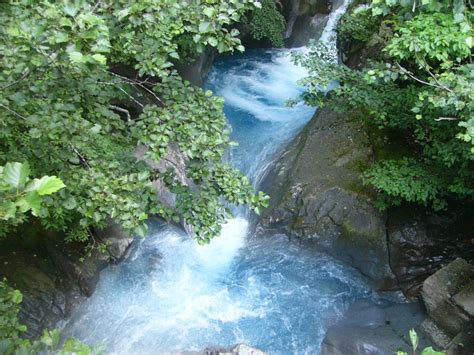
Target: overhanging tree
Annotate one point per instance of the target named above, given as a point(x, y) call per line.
point(68, 109)
point(418, 90)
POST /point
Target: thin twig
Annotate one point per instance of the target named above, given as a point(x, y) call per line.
point(421, 81)
point(17, 81)
point(140, 84)
point(172, 162)
point(447, 119)
point(123, 110)
point(152, 93)
point(124, 91)
point(81, 157)
point(14, 112)
point(435, 79)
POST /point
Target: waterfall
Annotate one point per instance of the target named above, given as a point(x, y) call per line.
point(329, 33)
point(171, 294)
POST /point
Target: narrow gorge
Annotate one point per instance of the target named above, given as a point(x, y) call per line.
point(322, 270)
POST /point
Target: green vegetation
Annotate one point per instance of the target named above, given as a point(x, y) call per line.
point(19, 194)
point(357, 25)
point(414, 344)
point(83, 84)
point(418, 89)
point(11, 341)
point(268, 23)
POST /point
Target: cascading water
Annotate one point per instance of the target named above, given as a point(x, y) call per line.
point(171, 294)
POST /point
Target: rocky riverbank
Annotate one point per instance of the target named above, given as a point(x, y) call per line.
point(53, 275)
point(318, 198)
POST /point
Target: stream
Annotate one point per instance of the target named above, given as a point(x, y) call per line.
point(170, 294)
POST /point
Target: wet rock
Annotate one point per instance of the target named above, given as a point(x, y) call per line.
point(55, 276)
point(118, 242)
point(448, 296)
point(421, 242)
point(239, 349)
point(462, 343)
point(305, 19)
point(196, 71)
point(374, 328)
point(318, 196)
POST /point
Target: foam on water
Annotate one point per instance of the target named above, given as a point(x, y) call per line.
point(171, 294)
point(256, 87)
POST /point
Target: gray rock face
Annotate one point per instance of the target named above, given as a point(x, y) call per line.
point(239, 349)
point(52, 275)
point(305, 19)
point(317, 195)
point(370, 328)
point(448, 295)
point(421, 242)
point(197, 71)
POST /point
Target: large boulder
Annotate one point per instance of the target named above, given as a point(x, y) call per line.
point(421, 241)
point(196, 71)
point(448, 295)
point(53, 275)
point(317, 195)
point(305, 19)
point(374, 328)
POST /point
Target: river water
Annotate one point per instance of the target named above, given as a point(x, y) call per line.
point(170, 294)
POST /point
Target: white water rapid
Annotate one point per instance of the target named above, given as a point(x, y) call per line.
point(172, 295)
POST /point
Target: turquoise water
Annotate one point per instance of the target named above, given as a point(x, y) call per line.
point(171, 294)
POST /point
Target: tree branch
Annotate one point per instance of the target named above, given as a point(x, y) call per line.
point(125, 92)
point(81, 157)
point(447, 119)
point(140, 84)
point(23, 77)
point(14, 112)
point(123, 110)
point(404, 71)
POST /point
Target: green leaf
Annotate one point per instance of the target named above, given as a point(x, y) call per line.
point(33, 201)
point(70, 9)
point(413, 339)
point(204, 27)
point(209, 11)
point(431, 351)
point(15, 174)
point(100, 58)
point(76, 57)
point(17, 297)
point(46, 185)
point(141, 230)
point(70, 203)
point(7, 210)
point(212, 41)
point(469, 41)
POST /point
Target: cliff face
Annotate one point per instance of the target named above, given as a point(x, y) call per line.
point(305, 19)
point(318, 196)
point(55, 276)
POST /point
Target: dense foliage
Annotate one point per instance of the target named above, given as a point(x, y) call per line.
point(417, 87)
point(83, 83)
point(267, 22)
point(19, 194)
point(11, 341)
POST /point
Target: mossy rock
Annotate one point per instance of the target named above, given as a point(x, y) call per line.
point(318, 195)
